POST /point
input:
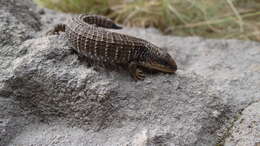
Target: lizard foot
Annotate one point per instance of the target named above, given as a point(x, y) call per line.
point(136, 72)
point(139, 75)
point(56, 30)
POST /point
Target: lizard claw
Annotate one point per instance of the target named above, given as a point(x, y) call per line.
point(136, 72)
point(56, 30)
point(139, 75)
point(51, 32)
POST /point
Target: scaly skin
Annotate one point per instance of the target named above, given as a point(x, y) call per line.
point(88, 37)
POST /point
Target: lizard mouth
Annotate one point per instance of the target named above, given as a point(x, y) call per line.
point(162, 68)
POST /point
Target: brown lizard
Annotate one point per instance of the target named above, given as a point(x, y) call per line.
point(88, 37)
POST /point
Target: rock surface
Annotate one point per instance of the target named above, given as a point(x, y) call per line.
point(51, 97)
point(246, 130)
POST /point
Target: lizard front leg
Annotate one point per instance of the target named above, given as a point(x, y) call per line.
point(135, 72)
point(57, 29)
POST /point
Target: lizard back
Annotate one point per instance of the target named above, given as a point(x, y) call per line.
point(88, 38)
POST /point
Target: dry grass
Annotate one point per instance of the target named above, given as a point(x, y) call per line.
point(207, 18)
point(76, 6)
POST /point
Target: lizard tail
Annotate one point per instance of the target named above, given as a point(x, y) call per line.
point(100, 21)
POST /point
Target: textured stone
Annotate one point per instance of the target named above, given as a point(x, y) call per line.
point(246, 130)
point(51, 97)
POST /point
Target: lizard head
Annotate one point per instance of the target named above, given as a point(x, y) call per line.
point(161, 60)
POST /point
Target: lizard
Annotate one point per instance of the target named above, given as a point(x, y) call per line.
point(89, 37)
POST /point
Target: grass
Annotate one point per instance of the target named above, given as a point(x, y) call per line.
point(207, 18)
point(76, 6)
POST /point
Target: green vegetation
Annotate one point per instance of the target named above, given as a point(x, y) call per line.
point(208, 18)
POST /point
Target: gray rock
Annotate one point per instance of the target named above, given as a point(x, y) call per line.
point(23, 11)
point(17, 24)
point(177, 109)
point(246, 130)
point(53, 98)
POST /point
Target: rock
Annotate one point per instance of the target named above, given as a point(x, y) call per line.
point(23, 11)
point(232, 65)
point(51, 97)
point(246, 130)
point(53, 80)
point(17, 24)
